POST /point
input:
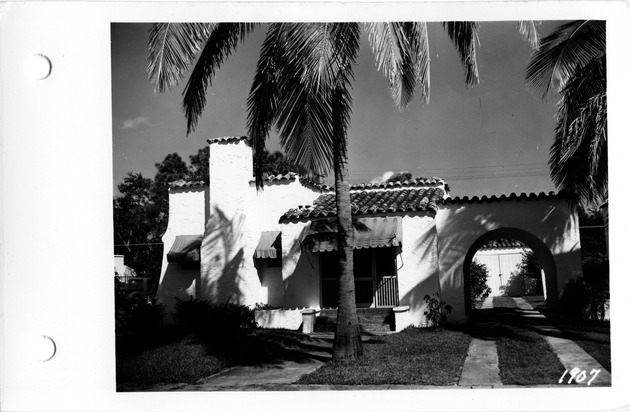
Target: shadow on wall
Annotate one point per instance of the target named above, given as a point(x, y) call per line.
point(179, 283)
point(465, 228)
point(302, 285)
point(223, 254)
point(427, 246)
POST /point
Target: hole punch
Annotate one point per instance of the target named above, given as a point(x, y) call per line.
point(37, 67)
point(45, 348)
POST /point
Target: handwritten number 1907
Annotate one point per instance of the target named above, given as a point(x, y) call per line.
point(579, 375)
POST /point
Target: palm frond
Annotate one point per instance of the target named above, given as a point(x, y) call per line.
point(263, 96)
point(529, 31)
point(220, 44)
point(420, 45)
point(172, 48)
point(464, 35)
point(394, 57)
point(569, 47)
point(305, 105)
point(579, 154)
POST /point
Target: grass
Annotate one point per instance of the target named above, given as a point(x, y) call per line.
point(184, 361)
point(168, 355)
point(525, 358)
point(411, 357)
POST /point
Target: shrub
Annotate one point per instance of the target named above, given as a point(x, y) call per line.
point(219, 325)
point(437, 310)
point(519, 284)
point(585, 299)
point(134, 312)
point(479, 289)
point(527, 280)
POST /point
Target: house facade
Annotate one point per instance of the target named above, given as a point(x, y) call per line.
point(229, 242)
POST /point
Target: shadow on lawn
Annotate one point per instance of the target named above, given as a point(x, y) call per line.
point(500, 321)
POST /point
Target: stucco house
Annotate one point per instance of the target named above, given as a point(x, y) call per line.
point(228, 241)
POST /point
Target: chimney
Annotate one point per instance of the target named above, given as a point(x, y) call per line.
point(230, 171)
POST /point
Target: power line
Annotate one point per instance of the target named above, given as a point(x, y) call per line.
point(141, 244)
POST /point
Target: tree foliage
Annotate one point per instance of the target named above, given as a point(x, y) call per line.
point(479, 289)
point(571, 61)
point(527, 280)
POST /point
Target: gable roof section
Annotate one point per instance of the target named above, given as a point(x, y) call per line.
point(372, 202)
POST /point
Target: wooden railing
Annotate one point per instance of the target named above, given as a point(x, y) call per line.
point(386, 292)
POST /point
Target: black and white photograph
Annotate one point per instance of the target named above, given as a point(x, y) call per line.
point(311, 206)
point(375, 205)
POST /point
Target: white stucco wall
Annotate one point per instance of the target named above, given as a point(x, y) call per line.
point(460, 225)
point(239, 214)
point(187, 215)
point(418, 266)
point(300, 269)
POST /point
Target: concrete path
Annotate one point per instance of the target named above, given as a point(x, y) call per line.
point(487, 303)
point(481, 367)
point(570, 354)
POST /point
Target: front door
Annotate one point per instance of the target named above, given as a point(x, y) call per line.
point(375, 280)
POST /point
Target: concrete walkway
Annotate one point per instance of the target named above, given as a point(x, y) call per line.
point(481, 367)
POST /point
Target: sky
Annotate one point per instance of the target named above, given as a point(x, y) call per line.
point(491, 139)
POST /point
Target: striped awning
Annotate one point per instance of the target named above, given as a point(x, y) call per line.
point(268, 245)
point(185, 249)
point(368, 233)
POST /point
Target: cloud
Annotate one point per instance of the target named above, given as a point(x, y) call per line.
point(383, 178)
point(135, 122)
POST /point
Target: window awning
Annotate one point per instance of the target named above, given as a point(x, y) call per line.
point(368, 233)
point(268, 245)
point(185, 249)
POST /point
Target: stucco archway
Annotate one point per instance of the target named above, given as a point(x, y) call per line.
point(546, 223)
point(541, 251)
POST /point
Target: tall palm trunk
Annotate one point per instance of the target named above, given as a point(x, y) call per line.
point(348, 334)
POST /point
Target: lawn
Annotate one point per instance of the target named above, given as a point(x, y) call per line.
point(412, 357)
point(525, 358)
point(170, 356)
point(184, 361)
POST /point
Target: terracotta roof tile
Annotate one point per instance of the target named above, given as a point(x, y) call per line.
point(414, 182)
point(503, 244)
point(228, 139)
point(277, 178)
point(184, 183)
point(372, 202)
point(513, 196)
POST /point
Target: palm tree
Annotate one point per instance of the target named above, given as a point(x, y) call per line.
point(571, 61)
point(302, 86)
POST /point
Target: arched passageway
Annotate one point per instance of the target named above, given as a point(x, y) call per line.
point(541, 251)
point(544, 222)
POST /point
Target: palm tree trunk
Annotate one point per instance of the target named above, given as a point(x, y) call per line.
point(348, 333)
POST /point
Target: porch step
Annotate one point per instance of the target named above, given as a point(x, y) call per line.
point(370, 320)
